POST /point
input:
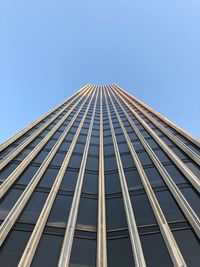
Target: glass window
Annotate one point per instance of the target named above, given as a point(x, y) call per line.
point(152, 143)
point(23, 154)
point(27, 175)
point(65, 146)
point(90, 183)
point(112, 183)
point(115, 214)
point(175, 174)
point(60, 211)
point(110, 163)
point(58, 159)
point(123, 148)
point(194, 168)
point(79, 148)
point(154, 177)
point(50, 144)
point(138, 145)
point(189, 246)
point(142, 210)
point(127, 161)
point(133, 180)
point(179, 153)
point(8, 202)
point(109, 150)
point(87, 214)
point(193, 198)
point(144, 158)
point(169, 206)
point(69, 180)
point(32, 210)
point(48, 178)
point(83, 253)
point(40, 157)
point(75, 161)
point(155, 251)
point(120, 253)
point(162, 156)
point(48, 251)
point(13, 247)
point(92, 163)
point(7, 171)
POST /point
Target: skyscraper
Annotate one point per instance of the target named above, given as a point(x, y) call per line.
point(100, 180)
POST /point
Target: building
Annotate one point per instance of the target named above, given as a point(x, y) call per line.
point(100, 180)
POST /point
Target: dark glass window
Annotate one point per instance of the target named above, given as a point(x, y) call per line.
point(133, 180)
point(8, 202)
point(194, 168)
point(58, 159)
point(154, 177)
point(69, 180)
point(48, 251)
point(40, 157)
point(112, 183)
point(138, 145)
point(127, 161)
point(110, 163)
point(162, 156)
point(123, 148)
point(175, 174)
point(152, 143)
point(144, 158)
point(7, 171)
point(142, 210)
point(79, 148)
point(90, 183)
point(83, 253)
point(48, 178)
point(155, 251)
point(23, 154)
point(115, 214)
point(13, 247)
point(92, 163)
point(65, 146)
point(169, 206)
point(87, 214)
point(33, 208)
point(120, 253)
point(109, 150)
point(189, 246)
point(50, 144)
point(27, 175)
point(94, 150)
point(60, 211)
point(193, 198)
point(75, 161)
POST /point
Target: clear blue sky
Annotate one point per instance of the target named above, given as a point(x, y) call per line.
point(49, 49)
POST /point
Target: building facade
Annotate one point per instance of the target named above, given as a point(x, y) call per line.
point(100, 180)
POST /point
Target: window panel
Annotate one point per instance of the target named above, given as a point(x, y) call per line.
point(112, 183)
point(133, 180)
point(87, 214)
point(69, 180)
point(32, 210)
point(120, 253)
point(175, 174)
point(155, 251)
point(58, 159)
point(48, 178)
point(13, 247)
point(83, 253)
point(110, 163)
point(7, 171)
point(189, 246)
point(142, 210)
point(48, 251)
point(144, 158)
point(193, 198)
point(90, 183)
point(154, 177)
point(115, 218)
point(60, 211)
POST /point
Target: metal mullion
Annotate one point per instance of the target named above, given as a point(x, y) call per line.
point(33, 242)
point(191, 138)
point(70, 229)
point(178, 142)
point(30, 126)
point(101, 234)
point(15, 174)
point(26, 142)
point(24, 198)
point(170, 242)
point(132, 226)
point(187, 172)
point(183, 204)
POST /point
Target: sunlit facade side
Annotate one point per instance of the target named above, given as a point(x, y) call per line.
point(100, 180)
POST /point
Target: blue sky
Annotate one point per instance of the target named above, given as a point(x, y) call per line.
point(49, 49)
